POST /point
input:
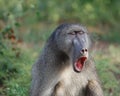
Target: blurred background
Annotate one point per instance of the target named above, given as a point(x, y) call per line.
point(25, 25)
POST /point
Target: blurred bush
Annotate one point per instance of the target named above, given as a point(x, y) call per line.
point(9, 53)
point(95, 12)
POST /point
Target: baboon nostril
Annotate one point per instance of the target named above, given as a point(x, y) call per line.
point(82, 50)
point(86, 50)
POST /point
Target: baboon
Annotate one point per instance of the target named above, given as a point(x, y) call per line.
point(65, 66)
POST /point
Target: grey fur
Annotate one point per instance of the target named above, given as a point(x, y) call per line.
point(53, 73)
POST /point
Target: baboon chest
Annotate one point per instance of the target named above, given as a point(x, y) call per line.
point(71, 84)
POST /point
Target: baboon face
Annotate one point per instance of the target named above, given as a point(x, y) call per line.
point(74, 41)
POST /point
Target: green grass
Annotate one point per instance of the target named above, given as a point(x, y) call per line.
point(107, 63)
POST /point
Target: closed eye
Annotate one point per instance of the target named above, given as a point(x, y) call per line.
point(76, 32)
point(72, 33)
point(81, 32)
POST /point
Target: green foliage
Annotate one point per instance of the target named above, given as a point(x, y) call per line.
point(42, 35)
point(15, 66)
point(20, 85)
point(95, 12)
point(9, 54)
point(112, 37)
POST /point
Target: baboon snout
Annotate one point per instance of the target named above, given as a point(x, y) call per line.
point(83, 51)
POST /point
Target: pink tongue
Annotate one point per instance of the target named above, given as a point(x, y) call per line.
point(79, 64)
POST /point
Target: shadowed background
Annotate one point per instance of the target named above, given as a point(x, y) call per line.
point(25, 25)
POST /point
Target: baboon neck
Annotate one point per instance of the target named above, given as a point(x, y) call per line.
point(55, 55)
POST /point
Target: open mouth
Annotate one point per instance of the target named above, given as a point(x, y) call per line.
point(78, 65)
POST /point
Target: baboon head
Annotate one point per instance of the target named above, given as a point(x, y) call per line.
point(73, 40)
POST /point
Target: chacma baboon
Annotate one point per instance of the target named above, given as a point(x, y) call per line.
point(65, 67)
